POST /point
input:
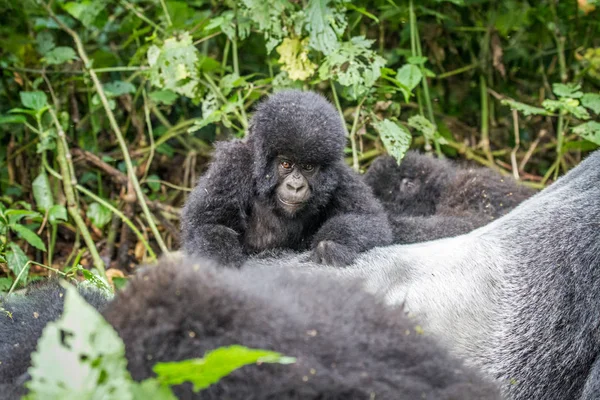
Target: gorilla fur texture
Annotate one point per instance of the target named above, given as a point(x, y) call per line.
point(518, 297)
point(428, 198)
point(347, 344)
point(285, 187)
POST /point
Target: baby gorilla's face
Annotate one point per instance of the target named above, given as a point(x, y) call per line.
point(294, 184)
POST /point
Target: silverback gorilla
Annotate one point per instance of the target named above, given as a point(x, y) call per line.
point(428, 198)
point(347, 343)
point(519, 297)
point(285, 187)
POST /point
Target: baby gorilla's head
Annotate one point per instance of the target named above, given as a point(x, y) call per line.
point(411, 188)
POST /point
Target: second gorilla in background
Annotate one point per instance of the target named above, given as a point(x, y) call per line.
point(428, 198)
point(285, 187)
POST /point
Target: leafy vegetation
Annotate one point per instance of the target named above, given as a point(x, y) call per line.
point(109, 109)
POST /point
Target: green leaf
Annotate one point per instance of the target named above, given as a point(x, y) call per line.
point(294, 59)
point(118, 88)
point(45, 42)
point(396, 138)
point(79, 356)
point(166, 97)
point(589, 131)
point(85, 11)
point(567, 105)
point(417, 60)
point(265, 17)
point(153, 182)
point(353, 65)
point(591, 101)
point(15, 216)
point(42, 193)
point(151, 389)
point(34, 100)
point(57, 213)
point(31, 237)
point(17, 261)
point(5, 282)
point(409, 75)
point(59, 55)
point(98, 214)
point(324, 25)
point(175, 66)
point(216, 364)
point(525, 109)
point(426, 128)
point(567, 90)
point(90, 278)
point(12, 119)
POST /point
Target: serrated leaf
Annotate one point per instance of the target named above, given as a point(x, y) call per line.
point(325, 24)
point(265, 17)
point(426, 128)
point(353, 65)
point(59, 55)
point(31, 237)
point(57, 213)
point(42, 193)
point(589, 131)
point(567, 90)
point(118, 88)
point(99, 215)
point(79, 356)
point(396, 138)
point(175, 66)
point(568, 105)
point(523, 108)
point(216, 364)
point(166, 97)
point(34, 100)
point(591, 101)
point(16, 260)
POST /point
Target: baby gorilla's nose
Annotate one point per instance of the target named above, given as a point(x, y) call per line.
point(296, 186)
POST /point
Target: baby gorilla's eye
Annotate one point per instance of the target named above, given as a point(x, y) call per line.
point(308, 167)
point(286, 164)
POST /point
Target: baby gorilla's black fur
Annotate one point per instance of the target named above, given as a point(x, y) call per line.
point(348, 344)
point(285, 187)
point(428, 198)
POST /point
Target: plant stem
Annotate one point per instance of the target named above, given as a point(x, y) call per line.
point(64, 157)
point(114, 125)
point(485, 121)
point(353, 135)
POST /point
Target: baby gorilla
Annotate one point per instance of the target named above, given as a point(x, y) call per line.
point(428, 198)
point(285, 187)
point(347, 343)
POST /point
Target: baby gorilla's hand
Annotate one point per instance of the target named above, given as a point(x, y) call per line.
point(332, 253)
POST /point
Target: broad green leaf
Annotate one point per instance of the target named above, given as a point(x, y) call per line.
point(15, 216)
point(12, 119)
point(354, 65)
point(98, 214)
point(85, 11)
point(17, 260)
point(45, 42)
point(5, 282)
point(42, 193)
point(591, 101)
point(324, 24)
point(34, 100)
point(525, 109)
point(166, 97)
point(409, 75)
point(118, 88)
point(426, 128)
point(59, 55)
point(57, 213)
point(30, 236)
point(216, 364)
point(589, 131)
point(396, 138)
point(294, 59)
point(175, 66)
point(568, 105)
point(567, 90)
point(79, 356)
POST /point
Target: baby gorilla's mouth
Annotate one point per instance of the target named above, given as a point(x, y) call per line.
point(290, 203)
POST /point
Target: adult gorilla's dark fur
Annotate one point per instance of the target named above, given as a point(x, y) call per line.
point(348, 344)
point(286, 186)
point(428, 198)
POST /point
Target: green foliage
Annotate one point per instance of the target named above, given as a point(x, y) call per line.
point(396, 138)
point(80, 356)
point(216, 364)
